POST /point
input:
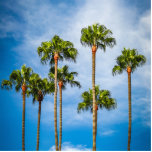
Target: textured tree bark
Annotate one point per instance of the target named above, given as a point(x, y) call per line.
point(129, 104)
point(23, 118)
point(55, 103)
point(38, 126)
point(96, 113)
point(60, 131)
point(94, 101)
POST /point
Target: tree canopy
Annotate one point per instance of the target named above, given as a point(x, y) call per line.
point(97, 35)
point(17, 78)
point(103, 100)
point(36, 84)
point(65, 50)
point(65, 76)
point(129, 58)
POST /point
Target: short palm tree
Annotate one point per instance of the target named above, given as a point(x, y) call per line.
point(96, 36)
point(103, 100)
point(128, 61)
point(38, 88)
point(20, 80)
point(52, 51)
point(64, 77)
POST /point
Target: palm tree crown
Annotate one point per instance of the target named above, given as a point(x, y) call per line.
point(103, 100)
point(37, 84)
point(65, 50)
point(17, 78)
point(65, 76)
point(97, 35)
point(129, 58)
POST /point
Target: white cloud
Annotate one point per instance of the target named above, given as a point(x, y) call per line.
point(144, 104)
point(107, 133)
point(130, 30)
point(67, 146)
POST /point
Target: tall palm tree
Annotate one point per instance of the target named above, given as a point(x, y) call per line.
point(128, 61)
point(103, 100)
point(38, 88)
point(52, 51)
point(64, 77)
point(96, 36)
point(20, 80)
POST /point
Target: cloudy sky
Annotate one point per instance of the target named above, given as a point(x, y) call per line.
point(25, 24)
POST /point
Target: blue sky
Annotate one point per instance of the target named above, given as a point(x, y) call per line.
point(25, 24)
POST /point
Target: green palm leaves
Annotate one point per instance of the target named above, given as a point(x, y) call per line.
point(17, 77)
point(129, 58)
point(6, 84)
point(65, 50)
point(37, 84)
point(103, 100)
point(65, 76)
point(97, 35)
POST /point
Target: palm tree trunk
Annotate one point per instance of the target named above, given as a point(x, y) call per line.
point(38, 126)
point(55, 104)
point(60, 133)
point(23, 123)
point(129, 104)
point(94, 100)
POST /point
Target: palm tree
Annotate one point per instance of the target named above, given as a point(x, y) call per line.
point(20, 80)
point(128, 61)
point(103, 100)
point(96, 36)
point(64, 77)
point(38, 88)
point(52, 51)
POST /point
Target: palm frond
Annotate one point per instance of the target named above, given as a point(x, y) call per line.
point(97, 35)
point(83, 107)
point(6, 84)
point(16, 77)
point(129, 57)
point(45, 51)
point(117, 70)
point(65, 76)
point(75, 84)
point(65, 50)
point(103, 100)
point(37, 84)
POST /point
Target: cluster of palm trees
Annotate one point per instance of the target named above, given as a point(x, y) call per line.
point(97, 37)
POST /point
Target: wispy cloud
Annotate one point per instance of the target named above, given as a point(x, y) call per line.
point(67, 146)
point(107, 133)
